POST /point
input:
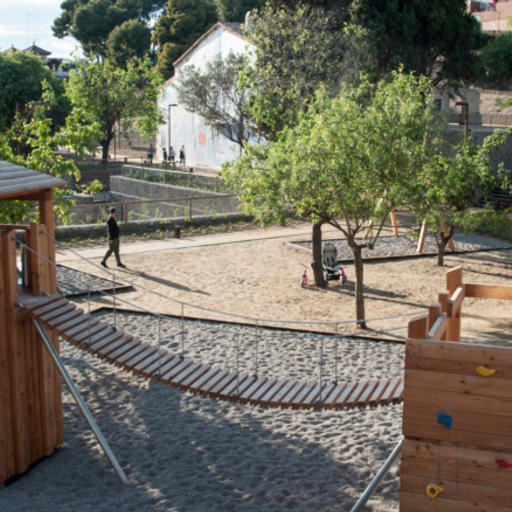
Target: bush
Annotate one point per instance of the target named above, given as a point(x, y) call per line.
point(488, 222)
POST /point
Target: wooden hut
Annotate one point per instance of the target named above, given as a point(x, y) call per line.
point(30, 388)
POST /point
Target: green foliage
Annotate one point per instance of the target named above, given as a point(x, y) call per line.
point(438, 39)
point(92, 22)
point(497, 60)
point(347, 161)
point(488, 222)
point(450, 184)
point(297, 50)
point(235, 10)
point(182, 23)
point(21, 78)
point(128, 41)
point(103, 94)
point(32, 132)
point(216, 96)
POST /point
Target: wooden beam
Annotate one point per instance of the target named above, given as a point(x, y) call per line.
point(489, 291)
point(439, 328)
point(453, 279)
point(421, 239)
point(394, 223)
point(418, 327)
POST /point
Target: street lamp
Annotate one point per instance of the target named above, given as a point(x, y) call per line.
point(169, 124)
point(465, 106)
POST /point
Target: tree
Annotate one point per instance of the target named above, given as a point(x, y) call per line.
point(438, 39)
point(451, 183)
point(102, 93)
point(129, 41)
point(33, 133)
point(21, 78)
point(347, 161)
point(235, 10)
point(181, 24)
point(216, 96)
point(497, 60)
point(91, 22)
point(297, 50)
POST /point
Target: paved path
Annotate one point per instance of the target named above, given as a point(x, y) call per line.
point(299, 231)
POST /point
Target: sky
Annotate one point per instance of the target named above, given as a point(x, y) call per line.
point(23, 22)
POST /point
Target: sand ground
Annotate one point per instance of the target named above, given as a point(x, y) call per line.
point(184, 453)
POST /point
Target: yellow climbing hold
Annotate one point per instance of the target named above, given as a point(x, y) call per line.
point(433, 490)
point(485, 372)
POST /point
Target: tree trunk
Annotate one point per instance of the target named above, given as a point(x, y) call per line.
point(441, 248)
point(358, 265)
point(105, 144)
point(316, 264)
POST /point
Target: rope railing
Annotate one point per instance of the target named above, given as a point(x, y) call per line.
point(238, 316)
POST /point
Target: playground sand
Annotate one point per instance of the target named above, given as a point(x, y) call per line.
point(186, 453)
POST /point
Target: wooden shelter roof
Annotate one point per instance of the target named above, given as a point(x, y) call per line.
point(18, 182)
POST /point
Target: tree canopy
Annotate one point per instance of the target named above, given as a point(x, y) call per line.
point(347, 161)
point(235, 10)
point(101, 93)
point(438, 39)
point(181, 24)
point(297, 50)
point(32, 134)
point(21, 78)
point(216, 96)
point(451, 183)
point(91, 22)
point(497, 61)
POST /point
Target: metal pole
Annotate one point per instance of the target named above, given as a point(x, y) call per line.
point(81, 404)
point(361, 502)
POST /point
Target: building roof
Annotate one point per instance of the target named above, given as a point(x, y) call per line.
point(37, 50)
point(234, 28)
point(18, 182)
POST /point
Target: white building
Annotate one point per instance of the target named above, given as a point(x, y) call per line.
point(203, 146)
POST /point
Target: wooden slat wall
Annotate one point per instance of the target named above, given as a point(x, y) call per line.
point(441, 377)
point(30, 388)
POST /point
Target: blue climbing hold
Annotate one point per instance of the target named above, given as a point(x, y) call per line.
point(444, 419)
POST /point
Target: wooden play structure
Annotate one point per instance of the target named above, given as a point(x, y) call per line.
point(457, 420)
point(30, 393)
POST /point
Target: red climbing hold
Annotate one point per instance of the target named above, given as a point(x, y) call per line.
point(502, 463)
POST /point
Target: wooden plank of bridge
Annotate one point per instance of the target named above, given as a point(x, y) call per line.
point(207, 379)
point(285, 399)
point(193, 377)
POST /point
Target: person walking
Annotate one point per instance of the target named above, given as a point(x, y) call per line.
point(151, 152)
point(164, 155)
point(182, 155)
point(113, 240)
point(172, 154)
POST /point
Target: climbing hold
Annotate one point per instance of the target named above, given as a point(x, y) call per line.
point(485, 372)
point(444, 419)
point(503, 464)
point(433, 490)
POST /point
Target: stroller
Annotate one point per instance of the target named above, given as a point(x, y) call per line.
point(333, 271)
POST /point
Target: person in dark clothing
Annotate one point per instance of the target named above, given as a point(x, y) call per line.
point(113, 240)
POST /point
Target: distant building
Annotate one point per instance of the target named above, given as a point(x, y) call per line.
point(493, 14)
point(203, 146)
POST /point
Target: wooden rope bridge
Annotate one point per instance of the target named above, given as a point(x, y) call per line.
point(57, 315)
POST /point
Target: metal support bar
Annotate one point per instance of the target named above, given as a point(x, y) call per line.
point(80, 402)
point(361, 502)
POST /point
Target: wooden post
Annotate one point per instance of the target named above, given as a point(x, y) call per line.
point(418, 327)
point(421, 239)
point(7, 457)
point(443, 298)
point(433, 312)
point(394, 223)
point(46, 217)
point(453, 279)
